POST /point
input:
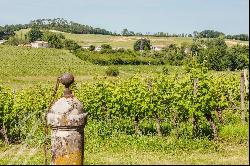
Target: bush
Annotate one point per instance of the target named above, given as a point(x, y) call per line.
point(14, 41)
point(71, 45)
point(112, 71)
point(55, 40)
point(91, 48)
point(106, 46)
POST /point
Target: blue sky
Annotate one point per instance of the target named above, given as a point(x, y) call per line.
point(173, 16)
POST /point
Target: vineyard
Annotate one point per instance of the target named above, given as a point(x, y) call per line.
point(143, 112)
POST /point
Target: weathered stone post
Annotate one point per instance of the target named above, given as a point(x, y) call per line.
point(67, 119)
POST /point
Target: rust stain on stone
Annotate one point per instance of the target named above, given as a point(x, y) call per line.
point(74, 158)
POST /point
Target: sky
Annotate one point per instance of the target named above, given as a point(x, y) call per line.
point(172, 16)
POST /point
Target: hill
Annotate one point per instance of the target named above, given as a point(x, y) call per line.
point(126, 41)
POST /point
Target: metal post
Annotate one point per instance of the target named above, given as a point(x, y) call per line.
point(67, 119)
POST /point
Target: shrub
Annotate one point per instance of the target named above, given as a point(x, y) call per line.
point(71, 45)
point(112, 71)
point(91, 48)
point(106, 46)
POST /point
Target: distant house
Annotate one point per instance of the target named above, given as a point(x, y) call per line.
point(156, 48)
point(27, 45)
point(117, 48)
point(39, 44)
point(2, 41)
point(98, 48)
point(85, 47)
point(24, 45)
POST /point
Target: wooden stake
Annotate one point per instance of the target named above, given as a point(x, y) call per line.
point(242, 98)
point(194, 121)
point(246, 80)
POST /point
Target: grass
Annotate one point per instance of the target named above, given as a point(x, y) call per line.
point(126, 150)
point(119, 148)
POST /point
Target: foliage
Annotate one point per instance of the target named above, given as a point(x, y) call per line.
point(63, 25)
point(142, 44)
point(126, 32)
point(91, 48)
point(210, 34)
point(242, 37)
point(168, 97)
point(34, 34)
point(215, 54)
point(113, 57)
point(106, 47)
point(55, 40)
point(71, 44)
point(14, 41)
point(9, 30)
point(238, 57)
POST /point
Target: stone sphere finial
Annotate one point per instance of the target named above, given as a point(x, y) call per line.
point(67, 79)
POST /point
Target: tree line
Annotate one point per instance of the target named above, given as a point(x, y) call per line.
point(215, 34)
point(63, 25)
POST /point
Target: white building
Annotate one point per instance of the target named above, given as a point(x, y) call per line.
point(39, 44)
point(117, 48)
point(156, 48)
point(2, 41)
point(98, 48)
point(85, 47)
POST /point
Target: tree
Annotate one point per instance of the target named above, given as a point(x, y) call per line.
point(214, 54)
point(125, 32)
point(196, 34)
point(210, 34)
point(34, 34)
point(54, 40)
point(238, 57)
point(142, 44)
